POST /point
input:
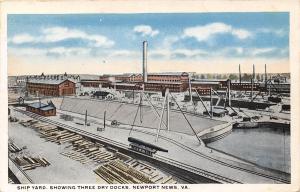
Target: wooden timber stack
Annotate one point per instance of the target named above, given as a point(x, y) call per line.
point(28, 163)
point(12, 147)
point(119, 172)
point(86, 151)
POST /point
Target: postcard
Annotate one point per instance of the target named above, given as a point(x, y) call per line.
point(150, 95)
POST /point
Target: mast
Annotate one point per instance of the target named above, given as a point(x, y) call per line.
point(240, 74)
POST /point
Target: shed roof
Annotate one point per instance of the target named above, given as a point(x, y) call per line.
point(42, 106)
point(37, 105)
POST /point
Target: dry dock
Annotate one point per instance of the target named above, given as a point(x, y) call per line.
point(184, 153)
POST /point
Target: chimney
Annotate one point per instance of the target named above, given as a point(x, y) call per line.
point(266, 78)
point(145, 44)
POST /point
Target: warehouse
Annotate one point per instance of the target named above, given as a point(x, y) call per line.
point(160, 86)
point(51, 87)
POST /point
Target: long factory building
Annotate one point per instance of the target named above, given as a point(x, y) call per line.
point(179, 82)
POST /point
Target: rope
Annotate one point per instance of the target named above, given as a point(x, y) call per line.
point(118, 108)
point(200, 141)
point(134, 119)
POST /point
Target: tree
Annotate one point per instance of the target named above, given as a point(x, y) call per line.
point(233, 77)
point(247, 77)
point(258, 77)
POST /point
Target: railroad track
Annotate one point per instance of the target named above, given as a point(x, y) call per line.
point(23, 172)
point(169, 161)
point(283, 180)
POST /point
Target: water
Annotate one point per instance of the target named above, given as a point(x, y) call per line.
point(267, 147)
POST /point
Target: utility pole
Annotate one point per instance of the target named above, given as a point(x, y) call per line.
point(251, 90)
point(240, 74)
point(211, 104)
point(253, 74)
point(85, 119)
point(229, 92)
point(168, 110)
point(190, 89)
point(104, 119)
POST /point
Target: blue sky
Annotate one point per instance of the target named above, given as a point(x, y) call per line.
point(109, 39)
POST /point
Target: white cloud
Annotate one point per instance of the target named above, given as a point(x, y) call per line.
point(230, 52)
point(28, 51)
point(22, 38)
point(190, 53)
point(277, 32)
point(57, 51)
point(145, 30)
point(56, 34)
point(239, 50)
point(63, 51)
point(261, 51)
point(183, 53)
point(169, 40)
point(241, 33)
point(205, 32)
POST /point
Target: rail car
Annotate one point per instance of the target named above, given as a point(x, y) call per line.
point(144, 147)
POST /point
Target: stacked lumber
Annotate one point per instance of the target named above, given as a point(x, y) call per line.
point(154, 175)
point(53, 134)
point(28, 123)
point(12, 147)
point(86, 151)
point(118, 172)
point(28, 163)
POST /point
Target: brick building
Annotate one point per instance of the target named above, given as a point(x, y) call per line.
point(159, 86)
point(169, 77)
point(122, 78)
point(175, 82)
point(94, 83)
point(51, 87)
point(42, 109)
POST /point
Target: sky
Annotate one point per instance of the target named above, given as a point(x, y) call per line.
point(112, 43)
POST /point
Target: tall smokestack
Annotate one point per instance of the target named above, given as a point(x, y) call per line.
point(240, 75)
point(266, 78)
point(145, 44)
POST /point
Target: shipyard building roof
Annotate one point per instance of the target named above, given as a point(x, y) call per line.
point(169, 73)
point(42, 106)
point(37, 105)
point(49, 81)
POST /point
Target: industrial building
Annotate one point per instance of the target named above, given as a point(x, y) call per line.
point(51, 87)
point(94, 83)
point(42, 109)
